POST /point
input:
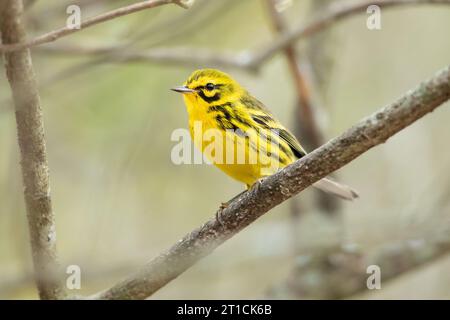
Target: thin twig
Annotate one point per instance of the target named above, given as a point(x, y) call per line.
point(328, 17)
point(30, 129)
point(286, 183)
point(321, 51)
point(172, 56)
point(65, 31)
point(343, 271)
point(346, 274)
point(246, 60)
point(301, 84)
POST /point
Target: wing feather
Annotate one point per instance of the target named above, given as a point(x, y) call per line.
point(292, 142)
point(263, 118)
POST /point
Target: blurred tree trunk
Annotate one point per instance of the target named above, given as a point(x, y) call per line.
point(317, 62)
point(30, 130)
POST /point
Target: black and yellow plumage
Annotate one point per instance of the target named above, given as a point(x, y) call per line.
point(218, 103)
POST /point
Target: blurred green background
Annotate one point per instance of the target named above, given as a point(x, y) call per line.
point(119, 200)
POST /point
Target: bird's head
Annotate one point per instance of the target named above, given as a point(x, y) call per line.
point(209, 86)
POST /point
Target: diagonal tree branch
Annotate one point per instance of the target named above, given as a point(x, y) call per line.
point(65, 31)
point(30, 129)
point(325, 19)
point(345, 274)
point(283, 185)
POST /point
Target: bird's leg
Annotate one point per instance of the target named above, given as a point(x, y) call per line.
point(224, 205)
point(256, 185)
point(219, 216)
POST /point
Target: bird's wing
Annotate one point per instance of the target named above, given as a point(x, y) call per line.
point(263, 118)
point(293, 143)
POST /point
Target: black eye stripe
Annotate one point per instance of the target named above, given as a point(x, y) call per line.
point(216, 86)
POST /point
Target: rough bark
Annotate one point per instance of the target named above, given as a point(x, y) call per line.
point(35, 172)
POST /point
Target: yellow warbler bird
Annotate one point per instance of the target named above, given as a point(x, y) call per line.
point(249, 142)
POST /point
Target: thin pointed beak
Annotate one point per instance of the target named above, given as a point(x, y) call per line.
point(183, 89)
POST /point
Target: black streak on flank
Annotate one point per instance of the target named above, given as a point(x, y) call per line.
point(229, 114)
point(219, 107)
point(224, 123)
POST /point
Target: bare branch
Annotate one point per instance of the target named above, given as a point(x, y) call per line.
point(246, 60)
point(321, 51)
point(345, 272)
point(306, 126)
point(325, 19)
point(173, 56)
point(30, 129)
point(301, 84)
point(283, 185)
point(65, 31)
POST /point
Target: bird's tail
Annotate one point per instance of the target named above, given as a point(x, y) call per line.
point(333, 187)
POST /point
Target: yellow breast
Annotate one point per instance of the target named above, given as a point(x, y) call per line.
point(236, 155)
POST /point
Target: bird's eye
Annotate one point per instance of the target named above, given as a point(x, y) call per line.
point(209, 86)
